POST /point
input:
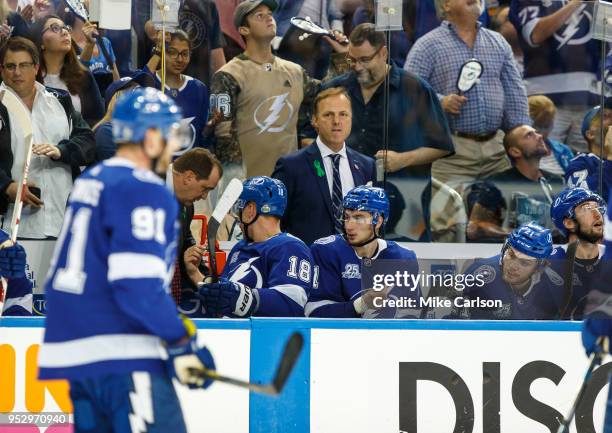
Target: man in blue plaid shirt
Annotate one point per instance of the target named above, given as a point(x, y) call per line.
point(497, 103)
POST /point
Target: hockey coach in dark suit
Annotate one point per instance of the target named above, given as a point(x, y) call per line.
point(318, 176)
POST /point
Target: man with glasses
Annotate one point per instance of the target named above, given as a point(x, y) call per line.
point(518, 279)
point(337, 290)
point(189, 93)
point(260, 96)
point(579, 214)
point(62, 143)
point(418, 133)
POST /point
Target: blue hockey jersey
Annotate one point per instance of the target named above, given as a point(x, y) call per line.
point(564, 66)
point(536, 303)
point(280, 267)
point(19, 298)
point(339, 274)
point(192, 97)
point(583, 172)
point(108, 306)
point(585, 278)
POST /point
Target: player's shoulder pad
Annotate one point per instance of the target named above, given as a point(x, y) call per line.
point(486, 269)
point(400, 252)
point(326, 240)
point(553, 276)
point(288, 243)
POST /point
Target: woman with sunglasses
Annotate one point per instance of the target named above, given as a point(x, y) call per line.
point(61, 69)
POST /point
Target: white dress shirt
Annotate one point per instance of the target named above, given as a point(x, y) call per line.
point(346, 175)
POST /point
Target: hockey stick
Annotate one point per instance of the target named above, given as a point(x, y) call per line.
point(597, 357)
point(289, 358)
point(570, 259)
point(225, 203)
point(18, 112)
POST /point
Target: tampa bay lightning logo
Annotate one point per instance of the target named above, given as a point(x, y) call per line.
point(577, 29)
point(243, 271)
point(273, 114)
point(487, 272)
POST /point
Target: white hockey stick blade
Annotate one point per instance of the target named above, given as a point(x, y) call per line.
point(227, 200)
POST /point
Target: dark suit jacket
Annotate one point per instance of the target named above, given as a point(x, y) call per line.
point(185, 241)
point(309, 209)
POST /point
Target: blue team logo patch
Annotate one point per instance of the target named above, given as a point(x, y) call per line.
point(554, 277)
point(487, 272)
point(351, 271)
point(326, 240)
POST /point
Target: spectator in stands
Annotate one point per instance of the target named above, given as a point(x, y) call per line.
point(62, 143)
point(104, 70)
point(542, 112)
point(497, 102)
point(584, 169)
point(189, 93)
point(200, 20)
point(532, 189)
point(260, 96)
point(311, 52)
point(11, 23)
point(561, 59)
point(60, 67)
point(418, 132)
point(320, 175)
point(191, 176)
point(103, 130)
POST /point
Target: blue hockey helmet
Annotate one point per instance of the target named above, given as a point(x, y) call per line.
point(142, 109)
point(268, 194)
point(564, 205)
point(370, 199)
point(532, 239)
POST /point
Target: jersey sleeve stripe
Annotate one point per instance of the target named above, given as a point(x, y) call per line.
point(296, 293)
point(134, 265)
point(311, 306)
point(100, 348)
point(24, 302)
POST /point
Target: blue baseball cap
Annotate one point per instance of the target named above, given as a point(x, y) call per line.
point(140, 77)
point(588, 117)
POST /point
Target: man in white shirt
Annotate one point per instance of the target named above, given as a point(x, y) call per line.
point(315, 212)
point(63, 143)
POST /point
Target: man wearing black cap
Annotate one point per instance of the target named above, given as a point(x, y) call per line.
point(259, 95)
point(583, 170)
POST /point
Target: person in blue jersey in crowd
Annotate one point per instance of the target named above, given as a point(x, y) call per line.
point(579, 214)
point(598, 322)
point(338, 291)
point(112, 328)
point(583, 170)
point(189, 93)
point(18, 296)
point(268, 273)
point(518, 278)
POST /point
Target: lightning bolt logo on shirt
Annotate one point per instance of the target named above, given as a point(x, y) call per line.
point(243, 270)
point(277, 105)
point(573, 27)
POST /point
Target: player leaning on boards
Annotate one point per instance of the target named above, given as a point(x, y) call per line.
point(579, 214)
point(518, 278)
point(268, 273)
point(338, 293)
point(109, 314)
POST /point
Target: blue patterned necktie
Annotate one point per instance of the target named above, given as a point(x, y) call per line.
point(336, 192)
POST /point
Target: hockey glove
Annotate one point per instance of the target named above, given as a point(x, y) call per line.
point(184, 359)
point(228, 298)
point(595, 332)
point(12, 258)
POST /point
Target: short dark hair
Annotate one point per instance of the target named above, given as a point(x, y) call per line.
point(367, 32)
point(17, 43)
point(199, 160)
point(510, 138)
point(181, 35)
point(327, 93)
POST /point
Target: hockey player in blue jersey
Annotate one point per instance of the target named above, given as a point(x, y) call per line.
point(112, 328)
point(338, 291)
point(268, 273)
point(579, 214)
point(18, 298)
point(517, 278)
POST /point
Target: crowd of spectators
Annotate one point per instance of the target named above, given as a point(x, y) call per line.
point(493, 158)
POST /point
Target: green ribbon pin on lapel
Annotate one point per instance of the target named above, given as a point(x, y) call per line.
point(320, 171)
